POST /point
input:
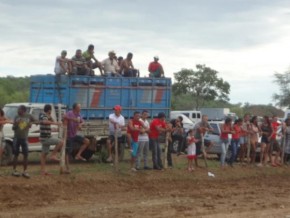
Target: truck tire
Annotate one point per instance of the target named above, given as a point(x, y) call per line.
point(7, 154)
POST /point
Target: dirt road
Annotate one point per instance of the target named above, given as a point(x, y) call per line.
point(92, 191)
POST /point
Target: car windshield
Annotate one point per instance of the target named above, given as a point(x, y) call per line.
point(185, 119)
point(215, 127)
point(10, 112)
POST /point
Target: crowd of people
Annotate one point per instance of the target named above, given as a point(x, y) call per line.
point(85, 63)
point(144, 136)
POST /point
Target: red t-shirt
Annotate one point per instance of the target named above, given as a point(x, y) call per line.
point(135, 133)
point(237, 133)
point(154, 133)
point(153, 66)
point(275, 126)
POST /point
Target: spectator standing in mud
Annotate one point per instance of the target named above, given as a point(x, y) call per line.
point(21, 125)
point(200, 129)
point(177, 133)
point(266, 131)
point(3, 121)
point(143, 142)
point(275, 147)
point(116, 125)
point(89, 56)
point(155, 68)
point(157, 126)
point(286, 132)
point(191, 149)
point(74, 124)
point(254, 137)
point(46, 139)
point(244, 137)
point(235, 140)
point(62, 65)
point(110, 65)
point(226, 129)
point(135, 128)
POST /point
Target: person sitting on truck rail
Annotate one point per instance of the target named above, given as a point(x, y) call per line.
point(62, 64)
point(116, 125)
point(89, 56)
point(80, 66)
point(155, 68)
point(127, 67)
point(110, 65)
point(74, 123)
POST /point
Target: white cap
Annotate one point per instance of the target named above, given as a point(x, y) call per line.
point(156, 57)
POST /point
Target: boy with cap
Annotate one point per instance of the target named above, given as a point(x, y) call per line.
point(155, 68)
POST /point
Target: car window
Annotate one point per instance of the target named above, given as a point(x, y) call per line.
point(215, 127)
point(193, 115)
point(35, 113)
point(10, 112)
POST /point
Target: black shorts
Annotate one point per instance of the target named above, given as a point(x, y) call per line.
point(74, 143)
point(17, 143)
point(199, 148)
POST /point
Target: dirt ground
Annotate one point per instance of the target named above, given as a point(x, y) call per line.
point(95, 190)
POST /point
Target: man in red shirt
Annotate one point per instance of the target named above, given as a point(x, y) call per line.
point(155, 68)
point(157, 126)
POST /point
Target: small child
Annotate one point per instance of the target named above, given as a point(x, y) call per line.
point(191, 149)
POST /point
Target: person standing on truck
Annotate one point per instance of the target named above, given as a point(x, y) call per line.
point(22, 123)
point(46, 139)
point(200, 129)
point(116, 125)
point(157, 126)
point(135, 128)
point(74, 123)
point(110, 65)
point(3, 121)
point(89, 56)
point(143, 142)
point(155, 68)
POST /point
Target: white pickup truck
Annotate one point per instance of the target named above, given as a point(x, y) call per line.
point(34, 109)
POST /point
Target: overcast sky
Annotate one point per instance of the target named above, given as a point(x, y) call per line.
point(246, 41)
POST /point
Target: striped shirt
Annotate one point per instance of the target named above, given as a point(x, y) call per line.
point(45, 129)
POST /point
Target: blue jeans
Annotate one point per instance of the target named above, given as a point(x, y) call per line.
point(156, 153)
point(224, 147)
point(234, 149)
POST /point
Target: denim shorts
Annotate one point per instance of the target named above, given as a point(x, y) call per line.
point(17, 143)
point(243, 140)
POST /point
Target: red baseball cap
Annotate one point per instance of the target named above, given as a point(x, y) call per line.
point(117, 108)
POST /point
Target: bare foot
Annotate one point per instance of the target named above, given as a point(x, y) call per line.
point(80, 158)
point(53, 157)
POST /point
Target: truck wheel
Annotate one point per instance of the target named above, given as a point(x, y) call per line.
point(7, 154)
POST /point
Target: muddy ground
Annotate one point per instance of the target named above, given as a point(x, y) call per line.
point(96, 190)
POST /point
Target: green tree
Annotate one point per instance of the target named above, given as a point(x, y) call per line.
point(282, 99)
point(202, 85)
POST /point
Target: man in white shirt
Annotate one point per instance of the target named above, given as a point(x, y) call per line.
point(116, 124)
point(110, 65)
point(143, 142)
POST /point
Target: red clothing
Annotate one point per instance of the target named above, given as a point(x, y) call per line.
point(237, 133)
point(154, 133)
point(135, 133)
point(153, 66)
point(225, 128)
point(275, 126)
